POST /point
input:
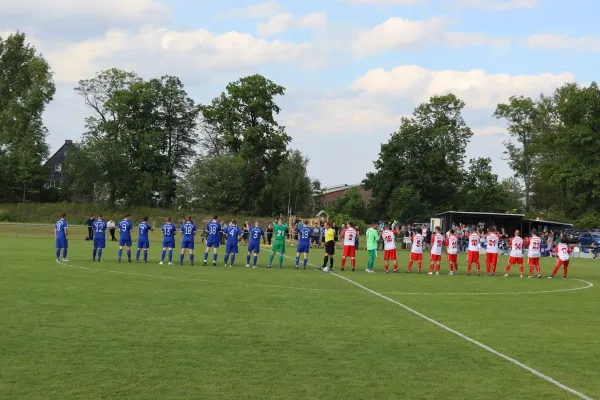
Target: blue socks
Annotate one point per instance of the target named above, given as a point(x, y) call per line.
point(99, 254)
point(129, 255)
point(137, 254)
point(192, 259)
point(255, 260)
point(297, 261)
point(94, 254)
point(205, 256)
point(232, 259)
point(225, 259)
point(146, 255)
point(120, 254)
point(64, 253)
point(305, 262)
point(181, 259)
point(215, 258)
point(248, 259)
point(162, 255)
point(57, 254)
point(170, 255)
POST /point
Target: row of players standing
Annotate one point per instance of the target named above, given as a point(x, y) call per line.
point(492, 239)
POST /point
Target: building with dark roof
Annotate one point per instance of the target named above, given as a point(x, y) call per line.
point(56, 165)
point(330, 194)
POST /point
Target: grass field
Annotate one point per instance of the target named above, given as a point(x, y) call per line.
point(84, 330)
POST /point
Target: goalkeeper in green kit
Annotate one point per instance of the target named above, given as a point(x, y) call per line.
point(372, 242)
point(279, 231)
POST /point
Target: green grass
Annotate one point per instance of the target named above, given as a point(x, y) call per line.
point(144, 331)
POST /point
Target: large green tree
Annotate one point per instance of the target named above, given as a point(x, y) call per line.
point(26, 87)
point(524, 124)
point(241, 121)
point(481, 191)
point(139, 140)
point(424, 158)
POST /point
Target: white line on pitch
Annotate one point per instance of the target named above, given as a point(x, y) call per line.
point(467, 338)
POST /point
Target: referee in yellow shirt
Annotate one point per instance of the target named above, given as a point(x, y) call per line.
point(329, 246)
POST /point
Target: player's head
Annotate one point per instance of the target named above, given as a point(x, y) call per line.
point(127, 216)
point(188, 218)
point(494, 229)
point(374, 225)
point(169, 219)
point(386, 226)
point(473, 228)
point(234, 222)
point(327, 225)
point(349, 224)
point(533, 232)
point(563, 240)
point(145, 219)
point(438, 229)
point(280, 220)
point(517, 233)
point(419, 230)
point(256, 223)
point(63, 216)
point(305, 222)
point(100, 216)
point(215, 217)
point(451, 231)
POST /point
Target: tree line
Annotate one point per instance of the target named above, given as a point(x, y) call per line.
point(148, 143)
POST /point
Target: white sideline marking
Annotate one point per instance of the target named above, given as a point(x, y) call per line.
point(465, 337)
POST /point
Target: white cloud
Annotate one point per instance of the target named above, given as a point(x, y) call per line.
point(265, 9)
point(479, 89)
point(551, 41)
point(489, 130)
point(156, 51)
point(387, 2)
point(498, 5)
point(286, 21)
point(467, 39)
point(64, 9)
point(397, 33)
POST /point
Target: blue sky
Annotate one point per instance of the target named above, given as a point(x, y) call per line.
point(352, 68)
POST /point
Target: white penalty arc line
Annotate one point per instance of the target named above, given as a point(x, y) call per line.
point(467, 338)
point(588, 285)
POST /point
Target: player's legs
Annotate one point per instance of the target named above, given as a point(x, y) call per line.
point(248, 255)
point(192, 255)
point(206, 253)
point(538, 269)
point(255, 260)
point(297, 259)
point(100, 252)
point(531, 267)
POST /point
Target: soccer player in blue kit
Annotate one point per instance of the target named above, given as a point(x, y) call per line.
point(168, 230)
point(143, 241)
point(234, 235)
point(303, 243)
point(213, 239)
point(255, 233)
point(188, 231)
point(61, 234)
point(125, 228)
point(99, 229)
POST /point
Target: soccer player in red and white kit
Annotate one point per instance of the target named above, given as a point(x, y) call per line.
point(534, 253)
point(491, 256)
point(437, 242)
point(516, 253)
point(452, 250)
point(564, 253)
point(389, 247)
point(349, 250)
point(416, 253)
point(473, 251)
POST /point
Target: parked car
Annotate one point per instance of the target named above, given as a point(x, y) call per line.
point(572, 235)
point(587, 238)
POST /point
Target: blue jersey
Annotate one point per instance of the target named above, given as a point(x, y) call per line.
point(214, 229)
point(255, 234)
point(304, 235)
point(233, 234)
point(99, 229)
point(188, 230)
point(143, 229)
point(60, 228)
point(169, 230)
point(125, 227)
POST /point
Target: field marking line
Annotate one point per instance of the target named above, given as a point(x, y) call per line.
point(233, 283)
point(588, 285)
point(469, 339)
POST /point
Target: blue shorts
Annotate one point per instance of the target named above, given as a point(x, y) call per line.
point(303, 248)
point(125, 242)
point(254, 248)
point(62, 243)
point(187, 244)
point(143, 243)
point(213, 243)
point(99, 243)
point(231, 248)
point(169, 243)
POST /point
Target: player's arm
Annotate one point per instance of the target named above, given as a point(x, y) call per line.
point(66, 232)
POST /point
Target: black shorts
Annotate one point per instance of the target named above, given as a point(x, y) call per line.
point(330, 247)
